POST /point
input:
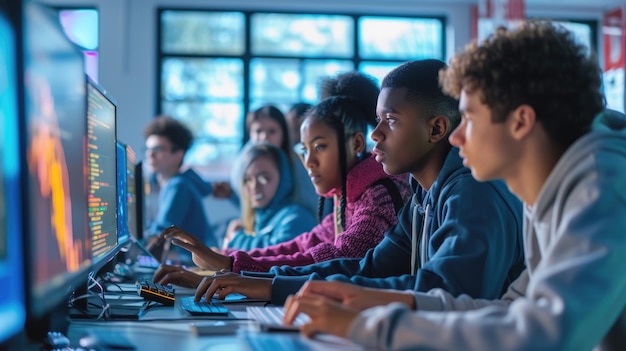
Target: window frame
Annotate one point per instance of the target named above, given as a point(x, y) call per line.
point(247, 57)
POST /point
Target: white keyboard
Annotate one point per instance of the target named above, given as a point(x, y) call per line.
point(272, 317)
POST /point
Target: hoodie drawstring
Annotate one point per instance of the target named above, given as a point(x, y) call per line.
point(417, 210)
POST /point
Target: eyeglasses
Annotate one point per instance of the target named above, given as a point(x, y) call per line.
point(261, 179)
point(159, 149)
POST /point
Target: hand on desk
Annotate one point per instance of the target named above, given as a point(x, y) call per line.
point(333, 306)
point(201, 254)
point(224, 283)
point(176, 275)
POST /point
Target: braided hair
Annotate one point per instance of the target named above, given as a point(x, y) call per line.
point(346, 116)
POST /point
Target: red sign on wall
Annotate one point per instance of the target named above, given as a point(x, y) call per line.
point(489, 14)
point(614, 39)
point(614, 58)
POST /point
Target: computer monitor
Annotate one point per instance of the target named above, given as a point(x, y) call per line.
point(140, 194)
point(101, 146)
point(12, 309)
point(53, 154)
point(132, 185)
point(138, 256)
point(122, 194)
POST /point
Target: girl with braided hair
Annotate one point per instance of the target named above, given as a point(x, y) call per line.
point(366, 200)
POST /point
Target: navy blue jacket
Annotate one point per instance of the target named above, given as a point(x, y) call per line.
point(473, 242)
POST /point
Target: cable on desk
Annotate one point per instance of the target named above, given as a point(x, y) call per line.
point(92, 283)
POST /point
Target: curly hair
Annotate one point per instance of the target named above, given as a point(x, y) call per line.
point(173, 130)
point(420, 78)
point(361, 87)
point(539, 64)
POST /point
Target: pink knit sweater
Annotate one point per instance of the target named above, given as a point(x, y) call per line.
point(369, 213)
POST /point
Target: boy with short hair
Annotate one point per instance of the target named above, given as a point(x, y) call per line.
point(181, 193)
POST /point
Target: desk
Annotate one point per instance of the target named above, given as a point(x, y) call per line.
point(168, 328)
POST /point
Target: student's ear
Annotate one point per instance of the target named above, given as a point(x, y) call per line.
point(358, 143)
point(180, 155)
point(439, 127)
point(522, 121)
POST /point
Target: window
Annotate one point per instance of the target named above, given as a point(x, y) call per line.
point(216, 65)
point(81, 27)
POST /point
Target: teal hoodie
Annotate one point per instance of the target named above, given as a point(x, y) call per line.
point(281, 220)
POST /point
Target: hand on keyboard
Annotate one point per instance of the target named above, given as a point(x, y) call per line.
point(272, 317)
point(202, 307)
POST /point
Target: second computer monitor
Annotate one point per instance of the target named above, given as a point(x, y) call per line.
point(132, 201)
point(122, 195)
point(102, 165)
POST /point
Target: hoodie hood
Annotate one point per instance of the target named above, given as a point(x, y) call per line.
point(604, 145)
point(452, 166)
point(281, 198)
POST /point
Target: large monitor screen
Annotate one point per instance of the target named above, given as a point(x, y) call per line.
point(102, 172)
point(12, 309)
point(55, 107)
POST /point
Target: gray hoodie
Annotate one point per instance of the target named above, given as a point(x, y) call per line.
point(572, 295)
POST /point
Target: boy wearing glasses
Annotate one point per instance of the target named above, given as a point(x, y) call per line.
point(180, 200)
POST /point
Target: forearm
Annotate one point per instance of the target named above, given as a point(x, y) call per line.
point(403, 282)
point(245, 262)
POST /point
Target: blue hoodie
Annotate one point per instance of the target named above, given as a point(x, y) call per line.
point(303, 192)
point(471, 242)
point(181, 204)
point(281, 220)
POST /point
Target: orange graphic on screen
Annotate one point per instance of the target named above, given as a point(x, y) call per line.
point(47, 163)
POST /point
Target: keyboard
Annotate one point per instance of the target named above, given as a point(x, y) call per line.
point(156, 292)
point(272, 317)
point(202, 307)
